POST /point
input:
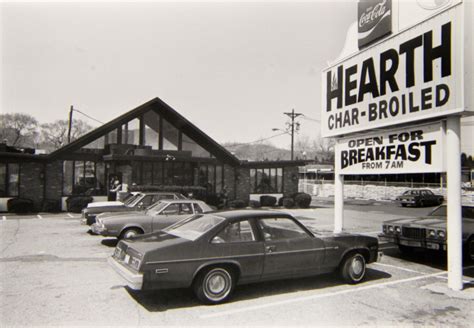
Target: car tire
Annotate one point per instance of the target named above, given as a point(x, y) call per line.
point(404, 205)
point(353, 268)
point(214, 285)
point(129, 233)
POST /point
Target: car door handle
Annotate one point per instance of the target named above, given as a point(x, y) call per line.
point(270, 249)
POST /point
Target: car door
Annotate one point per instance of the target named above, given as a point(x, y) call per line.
point(171, 214)
point(290, 250)
point(238, 242)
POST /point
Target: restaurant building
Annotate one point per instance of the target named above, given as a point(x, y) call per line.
point(151, 146)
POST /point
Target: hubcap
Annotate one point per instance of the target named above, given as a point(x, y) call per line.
point(357, 266)
point(217, 285)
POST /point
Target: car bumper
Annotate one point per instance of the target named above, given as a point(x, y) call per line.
point(97, 229)
point(428, 244)
point(132, 279)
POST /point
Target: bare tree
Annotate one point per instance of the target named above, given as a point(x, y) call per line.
point(19, 130)
point(54, 135)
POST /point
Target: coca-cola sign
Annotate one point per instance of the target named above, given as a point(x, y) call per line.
point(374, 20)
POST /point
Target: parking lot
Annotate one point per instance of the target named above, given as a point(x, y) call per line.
point(53, 272)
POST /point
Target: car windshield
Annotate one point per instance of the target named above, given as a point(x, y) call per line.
point(194, 227)
point(440, 211)
point(156, 208)
point(467, 212)
point(131, 199)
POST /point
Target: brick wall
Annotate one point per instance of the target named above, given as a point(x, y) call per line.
point(31, 182)
point(54, 180)
point(290, 180)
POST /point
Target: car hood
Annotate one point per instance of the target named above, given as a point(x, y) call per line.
point(100, 204)
point(425, 221)
point(122, 212)
point(130, 216)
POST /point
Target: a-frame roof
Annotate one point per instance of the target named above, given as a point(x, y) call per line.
point(168, 113)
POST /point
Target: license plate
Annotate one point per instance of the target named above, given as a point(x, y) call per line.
point(127, 258)
point(432, 246)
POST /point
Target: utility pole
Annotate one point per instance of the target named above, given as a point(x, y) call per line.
point(70, 125)
point(293, 115)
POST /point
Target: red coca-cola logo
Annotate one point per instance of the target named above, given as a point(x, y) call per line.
point(373, 14)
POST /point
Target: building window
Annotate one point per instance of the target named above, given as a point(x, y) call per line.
point(152, 129)
point(9, 180)
point(211, 177)
point(170, 136)
point(83, 178)
point(194, 148)
point(267, 180)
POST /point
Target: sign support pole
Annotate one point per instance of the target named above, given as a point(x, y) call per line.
point(454, 224)
point(338, 202)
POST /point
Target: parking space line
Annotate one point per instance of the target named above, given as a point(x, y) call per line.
point(4, 218)
point(313, 297)
point(39, 216)
point(70, 215)
point(399, 268)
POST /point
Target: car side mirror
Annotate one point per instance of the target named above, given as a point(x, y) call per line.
point(217, 240)
point(267, 236)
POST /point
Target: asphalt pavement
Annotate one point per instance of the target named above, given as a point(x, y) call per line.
point(53, 273)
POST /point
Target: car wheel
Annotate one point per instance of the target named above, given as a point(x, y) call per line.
point(405, 249)
point(214, 285)
point(404, 205)
point(353, 268)
point(129, 233)
point(421, 203)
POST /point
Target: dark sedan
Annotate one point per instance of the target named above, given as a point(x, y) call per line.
point(429, 232)
point(138, 202)
point(419, 197)
point(212, 253)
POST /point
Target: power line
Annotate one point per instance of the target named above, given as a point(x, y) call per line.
point(311, 119)
point(259, 140)
point(77, 110)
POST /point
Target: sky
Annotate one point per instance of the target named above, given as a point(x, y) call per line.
point(231, 68)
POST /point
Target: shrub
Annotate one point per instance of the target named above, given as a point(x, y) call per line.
point(213, 200)
point(268, 200)
point(238, 203)
point(255, 204)
point(303, 200)
point(20, 205)
point(51, 205)
point(280, 201)
point(288, 202)
point(75, 204)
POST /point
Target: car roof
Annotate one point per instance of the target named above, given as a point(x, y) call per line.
point(242, 214)
point(181, 201)
point(159, 193)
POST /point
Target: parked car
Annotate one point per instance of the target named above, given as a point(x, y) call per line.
point(429, 232)
point(137, 202)
point(159, 216)
point(214, 252)
point(419, 197)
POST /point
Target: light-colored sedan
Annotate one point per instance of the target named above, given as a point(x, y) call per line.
point(157, 217)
